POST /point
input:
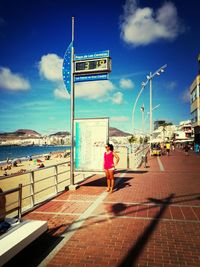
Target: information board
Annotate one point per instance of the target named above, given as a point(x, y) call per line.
point(100, 54)
point(91, 135)
point(93, 66)
point(86, 78)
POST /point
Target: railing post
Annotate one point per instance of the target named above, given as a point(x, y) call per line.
point(56, 178)
point(128, 158)
point(32, 183)
point(20, 202)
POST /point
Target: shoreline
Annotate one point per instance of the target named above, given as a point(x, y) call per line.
point(37, 161)
point(24, 154)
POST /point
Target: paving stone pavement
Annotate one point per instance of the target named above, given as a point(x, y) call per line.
point(151, 219)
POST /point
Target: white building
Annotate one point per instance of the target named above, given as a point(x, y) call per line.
point(184, 132)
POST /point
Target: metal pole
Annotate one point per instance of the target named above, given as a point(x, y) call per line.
point(133, 111)
point(142, 111)
point(72, 110)
point(150, 109)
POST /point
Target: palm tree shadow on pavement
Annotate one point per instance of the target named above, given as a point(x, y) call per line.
point(133, 254)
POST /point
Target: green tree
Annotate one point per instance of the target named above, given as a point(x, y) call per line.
point(146, 139)
point(141, 140)
point(132, 139)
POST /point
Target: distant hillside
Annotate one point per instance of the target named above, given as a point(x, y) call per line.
point(26, 133)
point(61, 134)
point(112, 132)
point(117, 132)
point(21, 133)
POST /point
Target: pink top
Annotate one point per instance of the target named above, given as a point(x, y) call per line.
point(108, 160)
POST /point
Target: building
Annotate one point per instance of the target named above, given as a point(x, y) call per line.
point(164, 133)
point(184, 132)
point(158, 123)
point(195, 105)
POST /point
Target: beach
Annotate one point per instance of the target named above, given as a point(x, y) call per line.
point(28, 165)
point(41, 177)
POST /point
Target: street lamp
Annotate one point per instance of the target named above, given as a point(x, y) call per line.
point(142, 110)
point(146, 117)
point(143, 84)
point(150, 78)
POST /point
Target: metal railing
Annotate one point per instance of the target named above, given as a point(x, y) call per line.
point(42, 184)
point(37, 185)
point(9, 209)
point(136, 158)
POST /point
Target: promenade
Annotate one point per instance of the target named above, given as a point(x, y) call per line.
point(151, 219)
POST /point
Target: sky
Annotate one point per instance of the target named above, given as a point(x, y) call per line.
point(141, 36)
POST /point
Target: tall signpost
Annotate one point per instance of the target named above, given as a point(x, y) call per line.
point(72, 112)
point(81, 68)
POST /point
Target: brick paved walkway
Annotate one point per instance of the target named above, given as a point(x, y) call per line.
point(151, 219)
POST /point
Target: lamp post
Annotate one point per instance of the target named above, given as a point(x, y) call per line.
point(143, 84)
point(137, 98)
point(157, 106)
point(150, 78)
point(142, 110)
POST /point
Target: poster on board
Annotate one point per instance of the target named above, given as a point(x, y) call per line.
point(91, 135)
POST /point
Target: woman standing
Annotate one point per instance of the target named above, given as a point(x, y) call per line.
point(109, 166)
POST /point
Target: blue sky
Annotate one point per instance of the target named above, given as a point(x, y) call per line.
point(141, 37)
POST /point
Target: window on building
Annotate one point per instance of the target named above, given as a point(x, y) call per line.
point(193, 95)
point(194, 116)
point(198, 115)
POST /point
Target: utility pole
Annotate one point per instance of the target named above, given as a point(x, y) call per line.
point(72, 112)
point(150, 109)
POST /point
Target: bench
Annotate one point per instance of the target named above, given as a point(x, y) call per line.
point(21, 233)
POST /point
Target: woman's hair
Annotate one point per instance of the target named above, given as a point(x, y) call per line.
point(110, 146)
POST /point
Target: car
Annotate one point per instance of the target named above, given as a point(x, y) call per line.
point(156, 152)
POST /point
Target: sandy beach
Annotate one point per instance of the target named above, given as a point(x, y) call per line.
point(36, 180)
point(29, 165)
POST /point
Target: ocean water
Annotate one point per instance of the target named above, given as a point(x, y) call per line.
point(12, 152)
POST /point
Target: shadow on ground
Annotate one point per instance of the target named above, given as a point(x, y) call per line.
point(102, 182)
point(33, 254)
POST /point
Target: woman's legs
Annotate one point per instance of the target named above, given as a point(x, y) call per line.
point(111, 176)
point(108, 180)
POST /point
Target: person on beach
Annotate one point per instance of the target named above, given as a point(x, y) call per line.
point(109, 166)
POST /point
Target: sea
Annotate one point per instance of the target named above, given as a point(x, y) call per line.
point(22, 152)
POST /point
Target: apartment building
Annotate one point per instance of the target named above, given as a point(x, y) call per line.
point(195, 105)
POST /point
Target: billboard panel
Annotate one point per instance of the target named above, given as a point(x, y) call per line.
point(84, 67)
point(91, 135)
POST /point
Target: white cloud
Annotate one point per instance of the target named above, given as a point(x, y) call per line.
point(98, 90)
point(186, 96)
point(50, 67)
point(126, 84)
point(61, 93)
point(142, 26)
point(120, 118)
point(117, 98)
point(41, 104)
point(11, 81)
